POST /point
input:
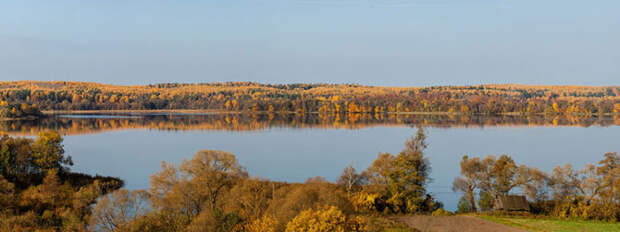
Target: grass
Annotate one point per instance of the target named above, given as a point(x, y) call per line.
point(532, 224)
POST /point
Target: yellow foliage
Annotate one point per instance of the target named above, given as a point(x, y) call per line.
point(442, 212)
point(113, 99)
point(556, 108)
point(236, 96)
point(327, 219)
point(353, 108)
point(264, 224)
point(363, 201)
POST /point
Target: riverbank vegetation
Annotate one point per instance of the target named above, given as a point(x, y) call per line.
point(38, 192)
point(213, 192)
point(566, 193)
point(321, 98)
point(210, 192)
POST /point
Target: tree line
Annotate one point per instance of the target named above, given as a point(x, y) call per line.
point(212, 192)
point(323, 98)
point(18, 111)
point(589, 193)
point(209, 192)
point(38, 192)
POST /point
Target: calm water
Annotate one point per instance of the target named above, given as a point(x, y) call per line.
point(289, 148)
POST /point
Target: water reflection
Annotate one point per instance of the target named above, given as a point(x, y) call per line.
point(95, 123)
point(289, 147)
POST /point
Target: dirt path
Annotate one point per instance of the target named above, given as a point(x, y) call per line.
point(453, 223)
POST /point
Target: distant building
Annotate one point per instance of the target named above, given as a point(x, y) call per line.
point(511, 203)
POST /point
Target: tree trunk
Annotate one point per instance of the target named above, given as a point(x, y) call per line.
point(472, 201)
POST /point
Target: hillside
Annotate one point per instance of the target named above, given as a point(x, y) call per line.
point(324, 98)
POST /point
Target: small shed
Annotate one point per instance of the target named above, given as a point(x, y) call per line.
point(511, 203)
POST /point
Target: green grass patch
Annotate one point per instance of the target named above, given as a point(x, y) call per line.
point(553, 225)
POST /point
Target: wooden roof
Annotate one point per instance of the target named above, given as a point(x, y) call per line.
point(511, 203)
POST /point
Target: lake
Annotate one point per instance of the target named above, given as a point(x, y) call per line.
point(293, 148)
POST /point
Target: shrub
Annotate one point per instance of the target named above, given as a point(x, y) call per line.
point(326, 219)
point(365, 202)
point(442, 212)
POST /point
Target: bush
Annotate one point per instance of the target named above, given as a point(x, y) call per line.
point(326, 219)
point(596, 210)
point(365, 202)
point(442, 212)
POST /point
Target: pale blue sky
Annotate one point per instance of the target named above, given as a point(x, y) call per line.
point(380, 42)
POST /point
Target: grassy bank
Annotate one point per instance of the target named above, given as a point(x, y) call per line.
point(532, 224)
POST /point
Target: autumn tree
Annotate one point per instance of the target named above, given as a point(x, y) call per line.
point(379, 172)
point(250, 198)
point(402, 179)
point(216, 221)
point(48, 152)
point(37, 190)
point(290, 200)
point(57, 205)
point(20, 158)
point(564, 182)
point(410, 175)
point(326, 219)
point(114, 211)
point(197, 185)
point(589, 193)
point(609, 171)
point(350, 179)
point(502, 176)
point(212, 172)
point(7, 191)
point(469, 181)
point(494, 177)
point(264, 224)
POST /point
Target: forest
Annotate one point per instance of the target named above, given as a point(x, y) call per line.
point(18, 111)
point(321, 98)
point(213, 192)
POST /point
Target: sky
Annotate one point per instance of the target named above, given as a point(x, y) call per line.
point(371, 42)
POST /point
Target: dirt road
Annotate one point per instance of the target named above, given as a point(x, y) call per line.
point(453, 223)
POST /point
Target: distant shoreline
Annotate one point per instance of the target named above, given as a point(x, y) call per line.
point(52, 112)
point(207, 111)
point(254, 98)
point(21, 118)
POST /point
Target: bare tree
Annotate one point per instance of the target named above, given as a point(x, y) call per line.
point(350, 179)
point(117, 209)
